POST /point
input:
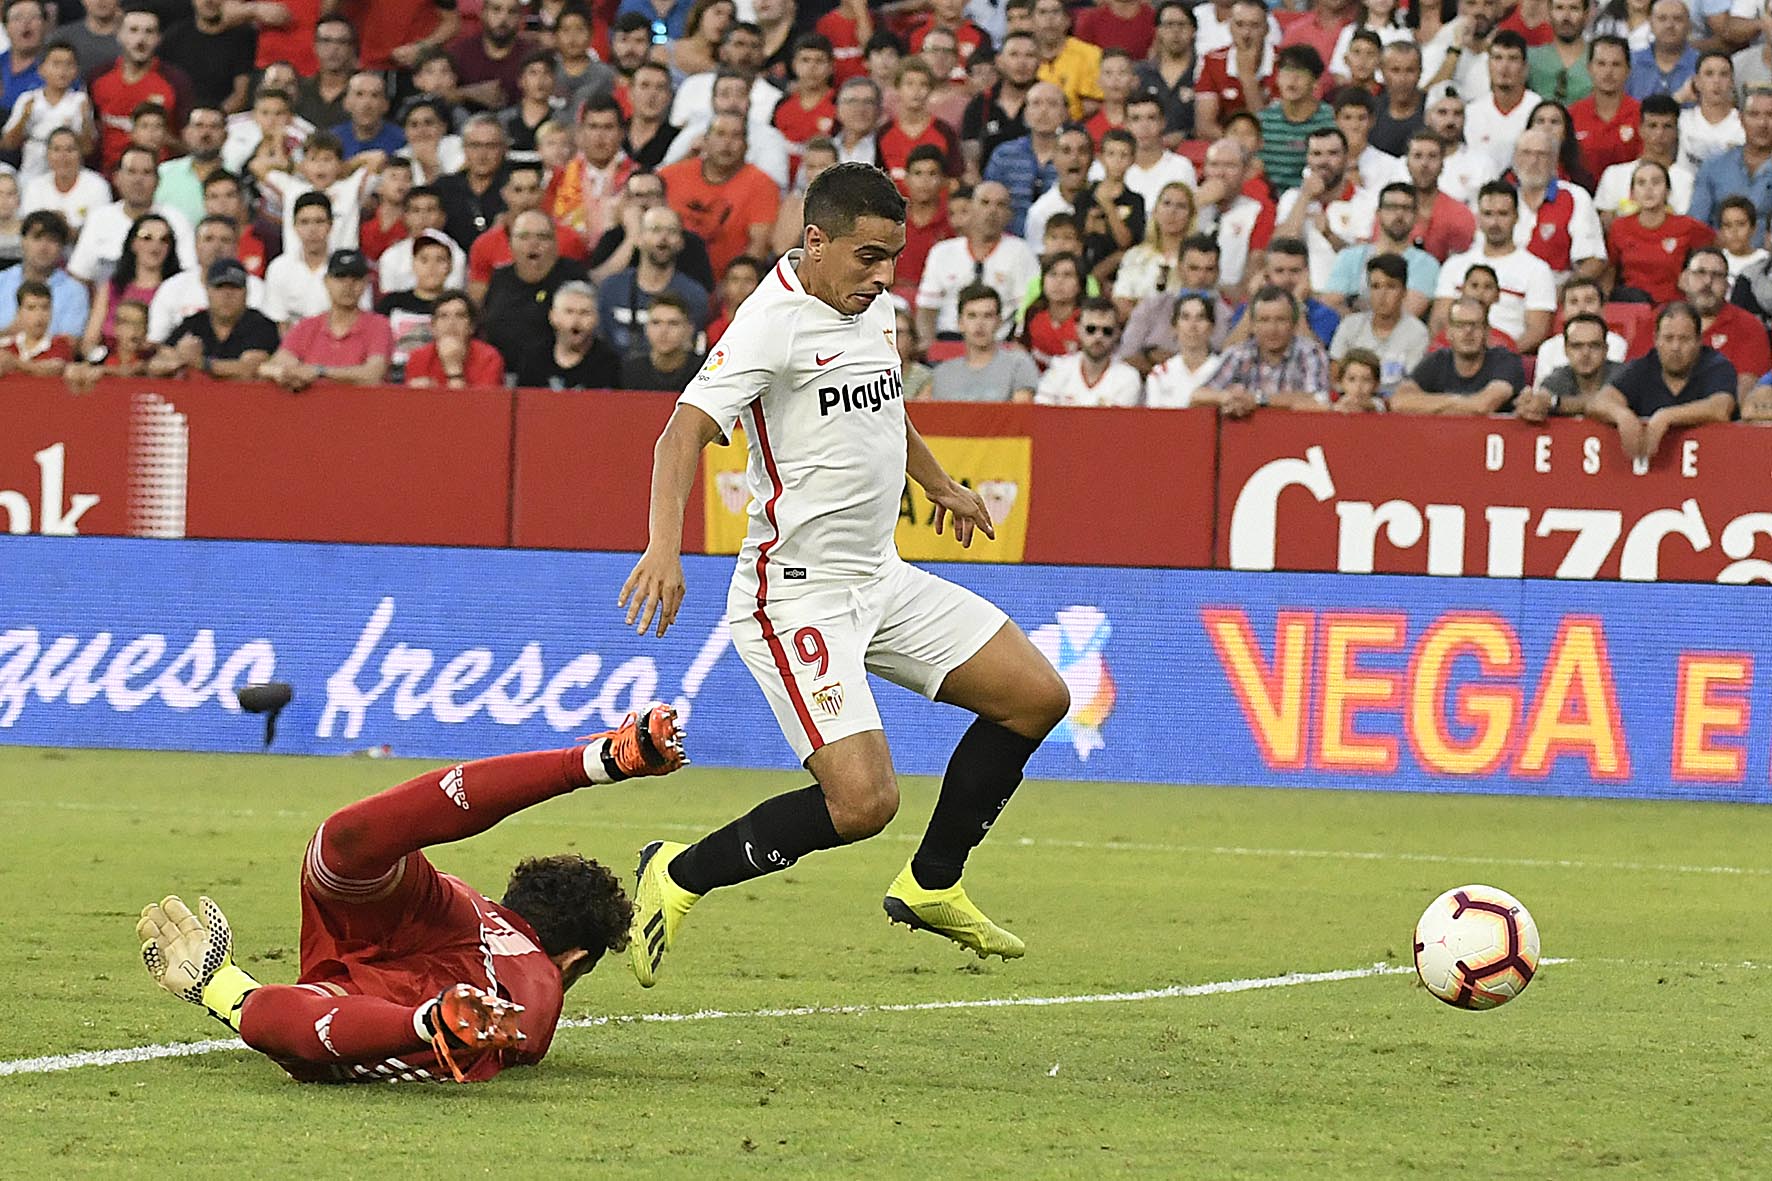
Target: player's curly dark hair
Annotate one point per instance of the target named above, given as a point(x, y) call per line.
point(571, 902)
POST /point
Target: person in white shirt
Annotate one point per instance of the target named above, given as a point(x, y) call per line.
point(765, 146)
point(1171, 384)
point(986, 254)
point(1464, 169)
point(1658, 126)
point(295, 282)
point(1493, 123)
point(1153, 164)
point(1579, 297)
point(1326, 210)
point(741, 52)
point(186, 293)
point(35, 114)
point(1091, 376)
point(423, 213)
point(1354, 110)
point(1528, 290)
point(1213, 19)
point(1713, 124)
point(1546, 201)
point(101, 238)
point(272, 114)
point(66, 187)
point(1229, 214)
point(820, 596)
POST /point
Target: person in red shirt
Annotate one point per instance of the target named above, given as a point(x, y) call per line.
point(810, 106)
point(1605, 122)
point(394, 32)
point(522, 191)
point(1531, 20)
point(343, 343)
point(138, 77)
point(1648, 248)
point(914, 126)
point(1734, 332)
point(407, 972)
point(925, 216)
point(1129, 25)
point(1444, 226)
point(1229, 76)
point(453, 359)
point(292, 42)
point(385, 225)
point(1319, 27)
point(1117, 80)
point(725, 202)
point(951, 15)
point(848, 27)
point(30, 348)
point(1050, 326)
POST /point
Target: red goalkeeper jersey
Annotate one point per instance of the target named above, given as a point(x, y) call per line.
point(430, 931)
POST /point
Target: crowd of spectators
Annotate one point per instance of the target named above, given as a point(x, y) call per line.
point(1555, 207)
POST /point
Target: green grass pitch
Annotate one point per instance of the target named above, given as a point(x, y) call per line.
point(1645, 1055)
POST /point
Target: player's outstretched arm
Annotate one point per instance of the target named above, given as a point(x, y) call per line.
point(193, 958)
point(655, 586)
point(947, 494)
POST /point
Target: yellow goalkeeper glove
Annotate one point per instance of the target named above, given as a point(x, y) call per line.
point(194, 959)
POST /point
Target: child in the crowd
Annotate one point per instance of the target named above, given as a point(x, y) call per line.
point(536, 104)
point(322, 169)
point(1357, 388)
point(386, 225)
point(1050, 324)
point(1735, 234)
point(59, 102)
point(30, 348)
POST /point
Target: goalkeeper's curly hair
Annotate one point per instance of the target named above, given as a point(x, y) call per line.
point(571, 902)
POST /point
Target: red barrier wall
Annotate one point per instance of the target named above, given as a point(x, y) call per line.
point(207, 459)
point(1104, 487)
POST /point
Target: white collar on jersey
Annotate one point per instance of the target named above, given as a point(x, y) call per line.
point(788, 277)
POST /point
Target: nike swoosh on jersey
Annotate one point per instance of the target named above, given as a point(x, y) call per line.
point(827, 360)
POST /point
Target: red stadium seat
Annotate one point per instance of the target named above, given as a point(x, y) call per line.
point(1635, 322)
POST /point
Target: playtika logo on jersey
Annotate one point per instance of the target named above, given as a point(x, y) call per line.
point(869, 395)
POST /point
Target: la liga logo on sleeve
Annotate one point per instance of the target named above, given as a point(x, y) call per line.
point(715, 360)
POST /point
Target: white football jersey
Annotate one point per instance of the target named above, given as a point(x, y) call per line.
point(820, 396)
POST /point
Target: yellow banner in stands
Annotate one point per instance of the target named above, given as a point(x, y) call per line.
point(1001, 469)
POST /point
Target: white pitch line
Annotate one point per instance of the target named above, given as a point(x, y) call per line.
point(1021, 842)
point(51, 1063)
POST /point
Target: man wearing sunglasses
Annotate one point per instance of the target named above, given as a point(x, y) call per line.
point(1092, 376)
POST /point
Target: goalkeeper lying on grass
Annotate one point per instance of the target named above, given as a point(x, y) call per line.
point(408, 973)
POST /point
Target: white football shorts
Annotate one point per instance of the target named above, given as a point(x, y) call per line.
point(812, 654)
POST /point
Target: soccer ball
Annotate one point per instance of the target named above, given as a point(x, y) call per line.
point(1476, 947)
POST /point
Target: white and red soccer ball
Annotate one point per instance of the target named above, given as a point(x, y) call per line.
point(1476, 947)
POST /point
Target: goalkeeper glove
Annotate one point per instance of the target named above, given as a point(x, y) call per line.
point(192, 959)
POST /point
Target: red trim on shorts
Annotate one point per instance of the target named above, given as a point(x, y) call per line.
point(769, 637)
point(787, 679)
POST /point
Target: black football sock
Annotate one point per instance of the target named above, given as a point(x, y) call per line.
point(983, 773)
point(770, 837)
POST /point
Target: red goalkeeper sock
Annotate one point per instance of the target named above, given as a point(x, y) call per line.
point(293, 1022)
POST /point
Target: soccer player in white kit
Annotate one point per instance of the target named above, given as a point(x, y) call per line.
point(820, 597)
